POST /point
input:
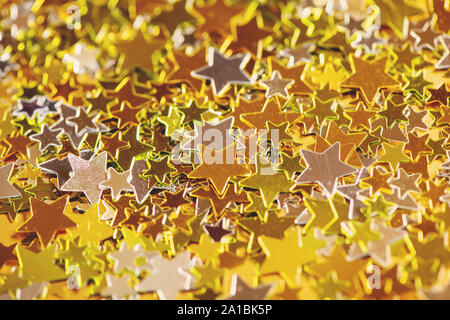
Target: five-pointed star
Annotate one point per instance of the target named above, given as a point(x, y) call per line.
point(405, 182)
point(172, 121)
point(219, 167)
point(39, 267)
point(276, 85)
point(47, 219)
point(324, 167)
point(288, 265)
point(90, 228)
point(87, 175)
point(6, 188)
point(167, 277)
point(297, 55)
point(117, 182)
point(223, 71)
point(378, 249)
point(47, 137)
point(118, 288)
point(267, 180)
point(394, 154)
point(369, 77)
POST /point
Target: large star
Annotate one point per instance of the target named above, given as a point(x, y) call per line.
point(47, 219)
point(223, 71)
point(87, 175)
point(369, 77)
point(324, 167)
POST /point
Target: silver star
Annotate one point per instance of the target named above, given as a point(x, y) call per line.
point(277, 85)
point(379, 250)
point(118, 288)
point(223, 71)
point(297, 55)
point(168, 277)
point(87, 175)
point(324, 167)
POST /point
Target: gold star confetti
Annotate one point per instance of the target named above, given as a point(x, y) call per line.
point(224, 150)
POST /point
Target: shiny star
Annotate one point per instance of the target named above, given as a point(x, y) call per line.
point(324, 167)
point(87, 176)
point(223, 71)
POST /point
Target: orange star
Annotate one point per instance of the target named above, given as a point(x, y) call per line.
point(18, 145)
point(47, 219)
point(369, 77)
point(219, 172)
point(378, 181)
point(360, 117)
point(417, 145)
point(126, 115)
point(138, 52)
point(270, 112)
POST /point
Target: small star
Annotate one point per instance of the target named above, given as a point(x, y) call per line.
point(277, 86)
point(47, 137)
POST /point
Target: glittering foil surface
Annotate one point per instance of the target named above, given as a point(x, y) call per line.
point(224, 149)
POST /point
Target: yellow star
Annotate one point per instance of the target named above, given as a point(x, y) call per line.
point(329, 75)
point(172, 121)
point(208, 275)
point(206, 249)
point(267, 180)
point(90, 228)
point(288, 255)
point(394, 154)
point(360, 233)
point(39, 267)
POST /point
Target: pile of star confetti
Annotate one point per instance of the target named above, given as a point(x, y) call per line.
point(118, 119)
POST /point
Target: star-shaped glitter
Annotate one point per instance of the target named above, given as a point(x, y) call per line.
point(47, 219)
point(369, 77)
point(324, 167)
point(218, 172)
point(167, 277)
point(405, 182)
point(277, 85)
point(87, 175)
point(47, 137)
point(117, 183)
point(269, 181)
point(29, 107)
point(223, 71)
